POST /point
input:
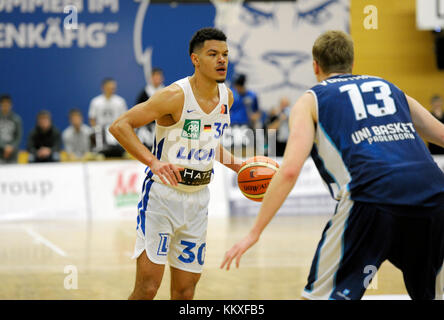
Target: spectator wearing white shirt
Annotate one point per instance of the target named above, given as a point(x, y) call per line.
point(103, 110)
point(76, 138)
point(108, 106)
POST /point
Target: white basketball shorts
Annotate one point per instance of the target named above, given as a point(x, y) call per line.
point(172, 226)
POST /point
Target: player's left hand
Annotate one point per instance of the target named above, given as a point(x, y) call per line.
point(238, 250)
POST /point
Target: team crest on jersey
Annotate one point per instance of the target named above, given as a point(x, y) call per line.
point(191, 129)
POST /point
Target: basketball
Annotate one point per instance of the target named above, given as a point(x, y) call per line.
point(255, 175)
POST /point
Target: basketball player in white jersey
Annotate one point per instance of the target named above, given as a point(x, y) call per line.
point(191, 115)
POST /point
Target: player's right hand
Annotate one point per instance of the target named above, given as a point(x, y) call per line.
point(236, 252)
point(166, 172)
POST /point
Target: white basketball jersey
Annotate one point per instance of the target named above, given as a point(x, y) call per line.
point(192, 142)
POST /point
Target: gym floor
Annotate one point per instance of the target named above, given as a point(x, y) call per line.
point(39, 259)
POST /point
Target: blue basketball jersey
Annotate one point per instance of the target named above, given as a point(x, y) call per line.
point(366, 145)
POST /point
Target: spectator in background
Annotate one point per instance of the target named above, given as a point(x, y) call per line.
point(10, 131)
point(278, 120)
point(245, 108)
point(244, 115)
point(436, 104)
point(103, 110)
point(156, 83)
point(146, 133)
point(44, 142)
point(76, 138)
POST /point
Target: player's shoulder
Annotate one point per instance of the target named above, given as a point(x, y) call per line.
point(307, 102)
point(174, 91)
point(170, 97)
point(230, 96)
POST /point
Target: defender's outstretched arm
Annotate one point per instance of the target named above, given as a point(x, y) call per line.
point(299, 145)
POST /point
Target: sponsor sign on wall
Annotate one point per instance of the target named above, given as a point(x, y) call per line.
point(115, 188)
point(42, 191)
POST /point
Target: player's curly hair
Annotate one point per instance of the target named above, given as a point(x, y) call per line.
point(333, 51)
point(204, 34)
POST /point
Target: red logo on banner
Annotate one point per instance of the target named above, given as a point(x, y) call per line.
point(125, 187)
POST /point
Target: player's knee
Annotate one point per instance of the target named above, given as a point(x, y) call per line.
point(185, 293)
point(146, 291)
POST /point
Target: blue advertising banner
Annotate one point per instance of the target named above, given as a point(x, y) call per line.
point(55, 53)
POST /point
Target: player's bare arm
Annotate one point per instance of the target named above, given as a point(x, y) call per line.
point(223, 155)
point(165, 106)
point(300, 142)
point(428, 127)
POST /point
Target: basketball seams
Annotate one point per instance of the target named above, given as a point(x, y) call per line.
point(245, 181)
point(259, 183)
point(253, 196)
point(258, 164)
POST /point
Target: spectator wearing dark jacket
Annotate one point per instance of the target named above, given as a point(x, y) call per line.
point(44, 142)
point(146, 133)
point(10, 131)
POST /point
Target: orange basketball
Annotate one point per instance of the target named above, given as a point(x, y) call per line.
point(255, 175)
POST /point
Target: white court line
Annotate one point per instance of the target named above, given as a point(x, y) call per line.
point(39, 238)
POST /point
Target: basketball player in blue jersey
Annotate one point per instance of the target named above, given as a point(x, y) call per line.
point(364, 136)
point(191, 116)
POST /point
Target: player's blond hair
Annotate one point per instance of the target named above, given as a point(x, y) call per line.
point(333, 51)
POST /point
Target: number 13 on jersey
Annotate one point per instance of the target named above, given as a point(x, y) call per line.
point(355, 94)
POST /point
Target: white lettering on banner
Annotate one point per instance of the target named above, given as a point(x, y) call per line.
point(22, 188)
point(70, 21)
point(43, 191)
point(33, 35)
point(46, 6)
point(99, 6)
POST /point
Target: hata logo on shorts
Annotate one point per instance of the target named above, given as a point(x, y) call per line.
point(191, 129)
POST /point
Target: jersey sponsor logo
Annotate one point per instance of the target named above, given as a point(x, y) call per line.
point(384, 133)
point(224, 109)
point(192, 177)
point(196, 154)
point(162, 250)
point(191, 129)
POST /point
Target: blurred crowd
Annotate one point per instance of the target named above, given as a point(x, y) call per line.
point(254, 128)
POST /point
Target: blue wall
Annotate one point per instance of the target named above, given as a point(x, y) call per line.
point(270, 42)
point(58, 79)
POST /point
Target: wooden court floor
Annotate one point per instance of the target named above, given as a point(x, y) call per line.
point(38, 259)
